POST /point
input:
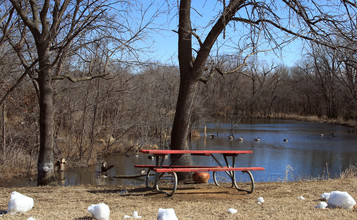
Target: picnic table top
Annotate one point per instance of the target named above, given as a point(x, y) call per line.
point(196, 152)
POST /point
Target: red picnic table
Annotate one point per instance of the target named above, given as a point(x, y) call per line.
point(159, 169)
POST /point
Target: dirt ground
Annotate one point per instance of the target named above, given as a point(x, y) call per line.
point(194, 201)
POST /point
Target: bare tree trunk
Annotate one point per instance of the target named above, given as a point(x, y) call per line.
point(182, 120)
point(83, 129)
point(45, 166)
point(180, 129)
point(3, 136)
point(93, 132)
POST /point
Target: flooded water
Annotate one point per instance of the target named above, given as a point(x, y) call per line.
point(306, 153)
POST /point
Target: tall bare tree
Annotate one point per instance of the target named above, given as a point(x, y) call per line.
point(59, 29)
point(307, 20)
point(48, 25)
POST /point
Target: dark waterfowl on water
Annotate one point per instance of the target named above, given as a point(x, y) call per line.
point(105, 167)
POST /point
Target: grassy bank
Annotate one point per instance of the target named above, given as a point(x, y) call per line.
point(190, 202)
point(314, 118)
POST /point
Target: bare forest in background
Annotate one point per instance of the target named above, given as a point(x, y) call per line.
point(132, 110)
point(106, 102)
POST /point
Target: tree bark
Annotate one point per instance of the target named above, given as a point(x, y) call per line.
point(180, 129)
point(187, 89)
point(3, 136)
point(45, 165)
point(188, 84)
point(183, 114)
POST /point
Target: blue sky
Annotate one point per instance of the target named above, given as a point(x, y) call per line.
point(164, 41)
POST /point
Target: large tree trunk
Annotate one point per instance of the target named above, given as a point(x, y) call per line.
point(187, 90)
point(180, 129)
point(45, 166)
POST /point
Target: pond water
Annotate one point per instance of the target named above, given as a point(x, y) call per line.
point(306, 154)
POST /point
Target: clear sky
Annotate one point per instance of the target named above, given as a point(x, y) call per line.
point(164, 41)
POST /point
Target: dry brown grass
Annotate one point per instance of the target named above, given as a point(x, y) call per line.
point(190, 201)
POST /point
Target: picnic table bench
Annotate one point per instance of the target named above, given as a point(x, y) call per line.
point(159, 169)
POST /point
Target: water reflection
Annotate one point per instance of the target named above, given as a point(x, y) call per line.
point(306, 154)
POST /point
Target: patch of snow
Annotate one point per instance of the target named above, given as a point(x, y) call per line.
point(341, 199)
point(232, 211)
point(325, 196)
point(136, 214)
point(166, 214)
point(321, 205)
point(100, 211)
point(19, 203)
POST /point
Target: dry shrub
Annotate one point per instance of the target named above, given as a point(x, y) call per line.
point(195, 133)
point(349, 172)
point(17, 163)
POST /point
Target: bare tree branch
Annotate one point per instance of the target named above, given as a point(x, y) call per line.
point(27, 72)
point(79, 79)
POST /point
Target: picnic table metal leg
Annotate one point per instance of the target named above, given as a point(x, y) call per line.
point(245, 178)
point(162, 183)
point(231, 174)
point(159, 163)
point(149, 173)
point(166, 181)
point(149, 182)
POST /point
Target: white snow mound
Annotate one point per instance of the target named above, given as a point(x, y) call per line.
point(232, 211)
point(325, 196)
point(136, 214)
point(100, 211)
point(341, 199)
point(166, 214)
point(321, 205)
point(19, 203)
